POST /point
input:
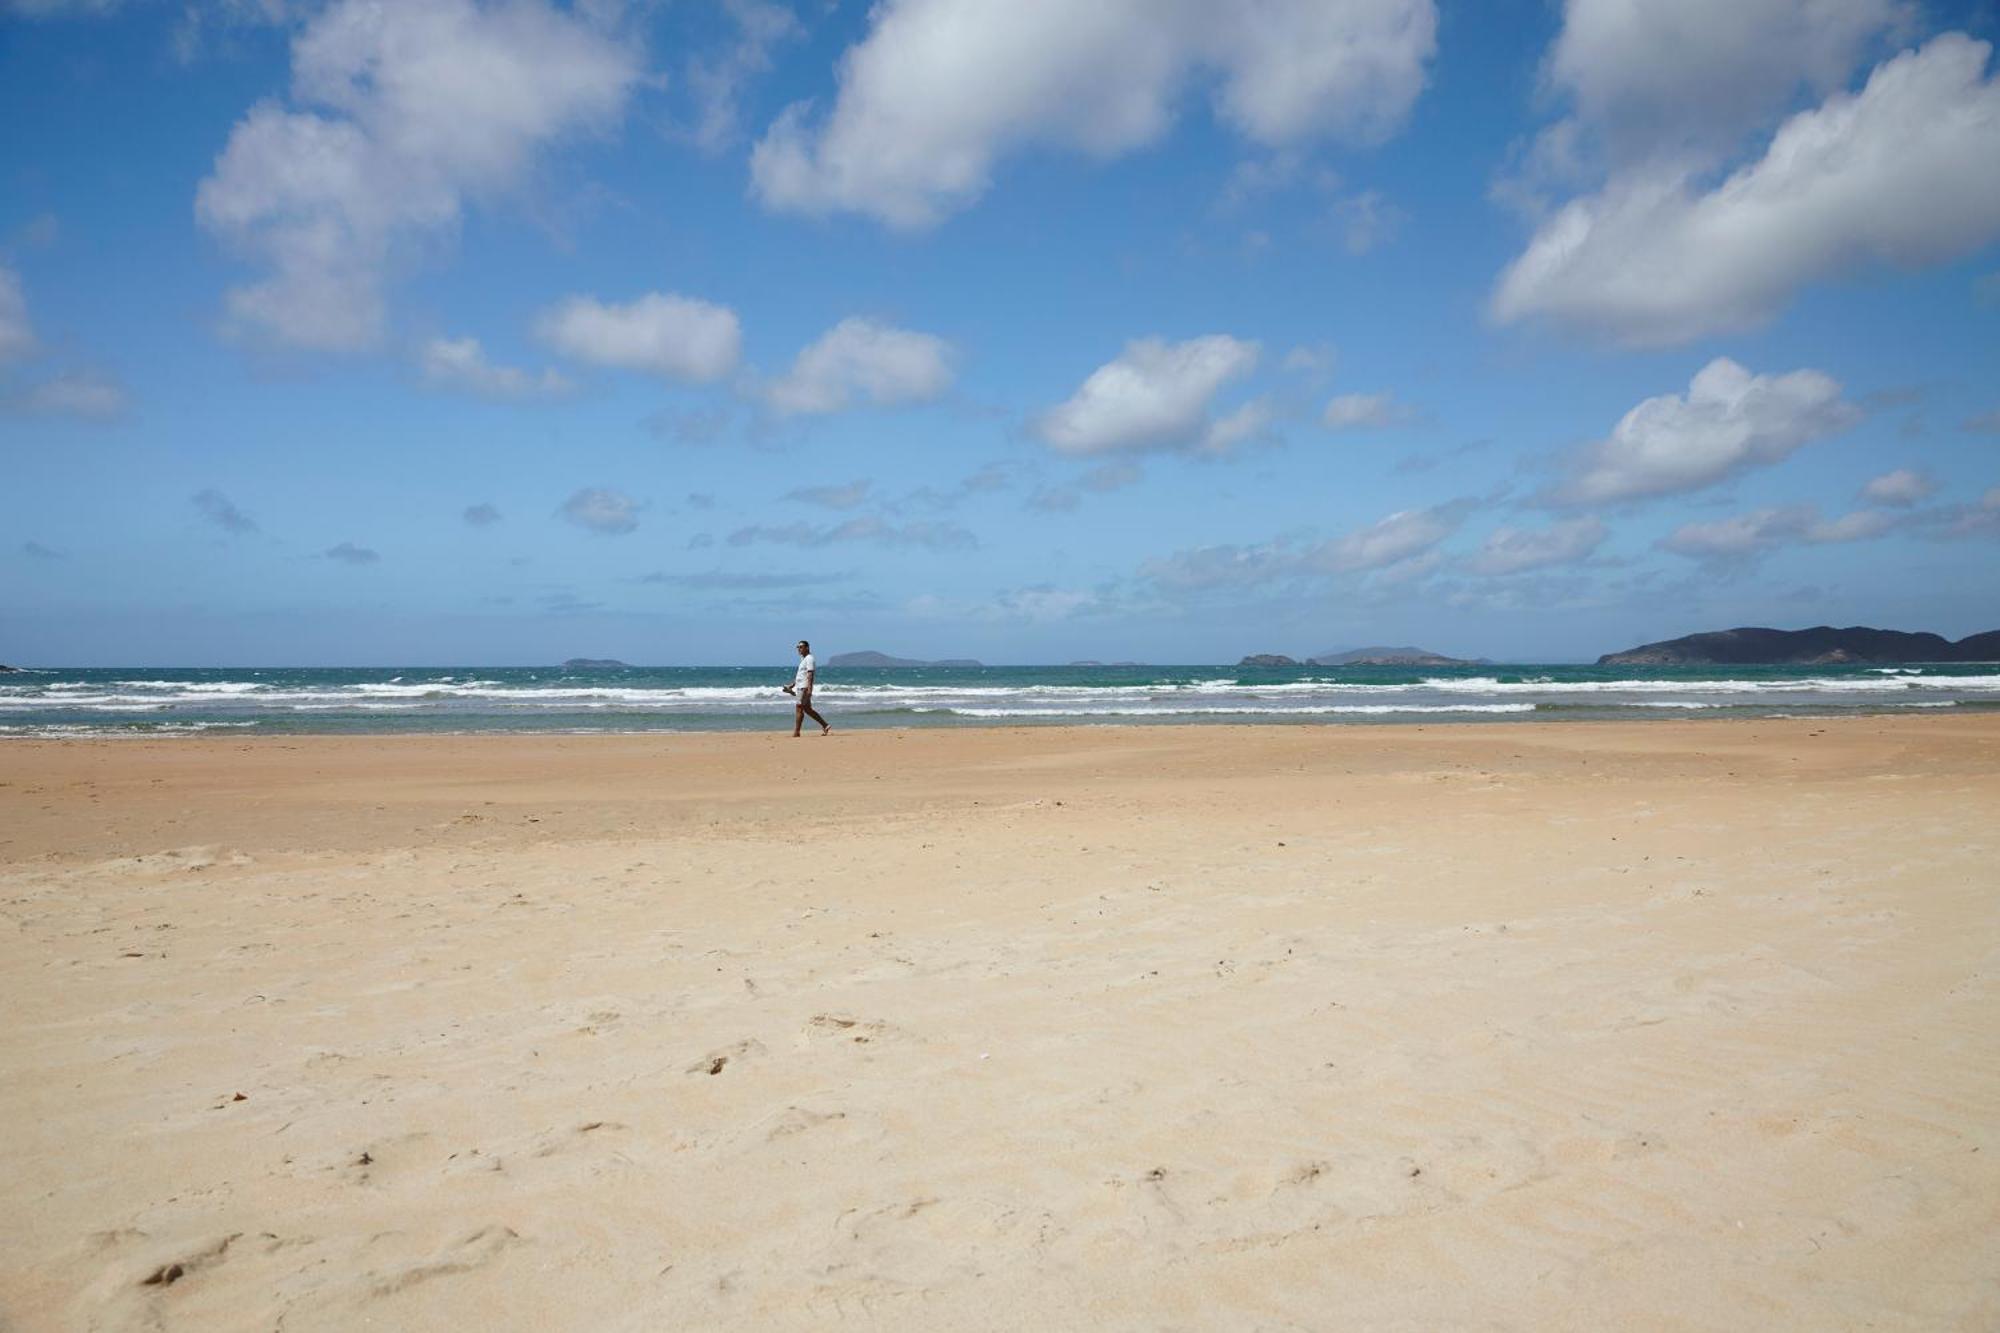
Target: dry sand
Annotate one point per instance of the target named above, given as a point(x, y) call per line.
point(1685, 1025)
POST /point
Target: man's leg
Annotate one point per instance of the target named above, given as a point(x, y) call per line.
point(806, 707)
point(798, 718)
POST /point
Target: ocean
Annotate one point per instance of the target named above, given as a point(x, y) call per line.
point(147, 701)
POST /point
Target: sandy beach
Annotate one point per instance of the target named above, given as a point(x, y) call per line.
point(1680, 1025)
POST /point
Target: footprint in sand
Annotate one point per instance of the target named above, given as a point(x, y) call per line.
point(725, 1057)
point(474, 1250)
point(845, 1030)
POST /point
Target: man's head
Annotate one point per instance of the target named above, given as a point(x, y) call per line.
point(804, 647)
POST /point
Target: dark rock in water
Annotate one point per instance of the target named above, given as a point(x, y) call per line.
point(1268, 660)
point(595, 664)
point(879, 660)
point(5, 667)
point(1823, 645)
point(1379, 656)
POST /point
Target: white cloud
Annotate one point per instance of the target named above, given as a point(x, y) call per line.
point(1746, 536)
point(460, 363)
point(414, 110)
point(1728, 420)
point(1694, 75)
point(17, 333)
point(1905, 172)
point(1362, 411)
point(1511, 550)
point(1902, 487)
point(883, 364)
point(677, 337)
point(1402, 536)
point(1233, 428)
point(940, 90)
point(601, 510)
point(1397, 548)
point(89, 395)
point(1156, 395)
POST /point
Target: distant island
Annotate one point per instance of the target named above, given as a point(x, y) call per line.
point(1381, 656)
point(1378, 656)
point(873, 659)
point(1822, 645)
point(595, 664)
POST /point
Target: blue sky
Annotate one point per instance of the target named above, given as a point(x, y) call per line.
point(460, 332)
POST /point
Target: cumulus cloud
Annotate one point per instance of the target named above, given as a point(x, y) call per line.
point(17, 333)
point(1744, 537)
point(89, 395)
point(832, 497)
point(1363, 411)
point(868, 528)
point(1401, 536)
point(1728, 420)
point(405, 113)
point(1156, 395)
point(1512, 550)
point(347, 553)
point(1695, 75)
point(460, 363)
point(481, 515)
point(676, 337)
point(1904, 172)
point(1903, 487)
point(864, 357)
point(602, 510)
point(220, 510)
point(940, 90)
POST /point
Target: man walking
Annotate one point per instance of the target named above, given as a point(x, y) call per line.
point(801, 690)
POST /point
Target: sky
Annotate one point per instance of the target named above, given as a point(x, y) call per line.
point(341, 332)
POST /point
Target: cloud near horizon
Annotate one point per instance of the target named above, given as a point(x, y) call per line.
point(1728, 420)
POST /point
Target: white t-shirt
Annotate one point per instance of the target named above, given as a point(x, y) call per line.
point(804, 676)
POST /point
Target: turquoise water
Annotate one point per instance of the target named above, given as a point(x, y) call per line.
point(158, 701)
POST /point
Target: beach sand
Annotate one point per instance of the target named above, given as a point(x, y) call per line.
point(1682, 1025)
